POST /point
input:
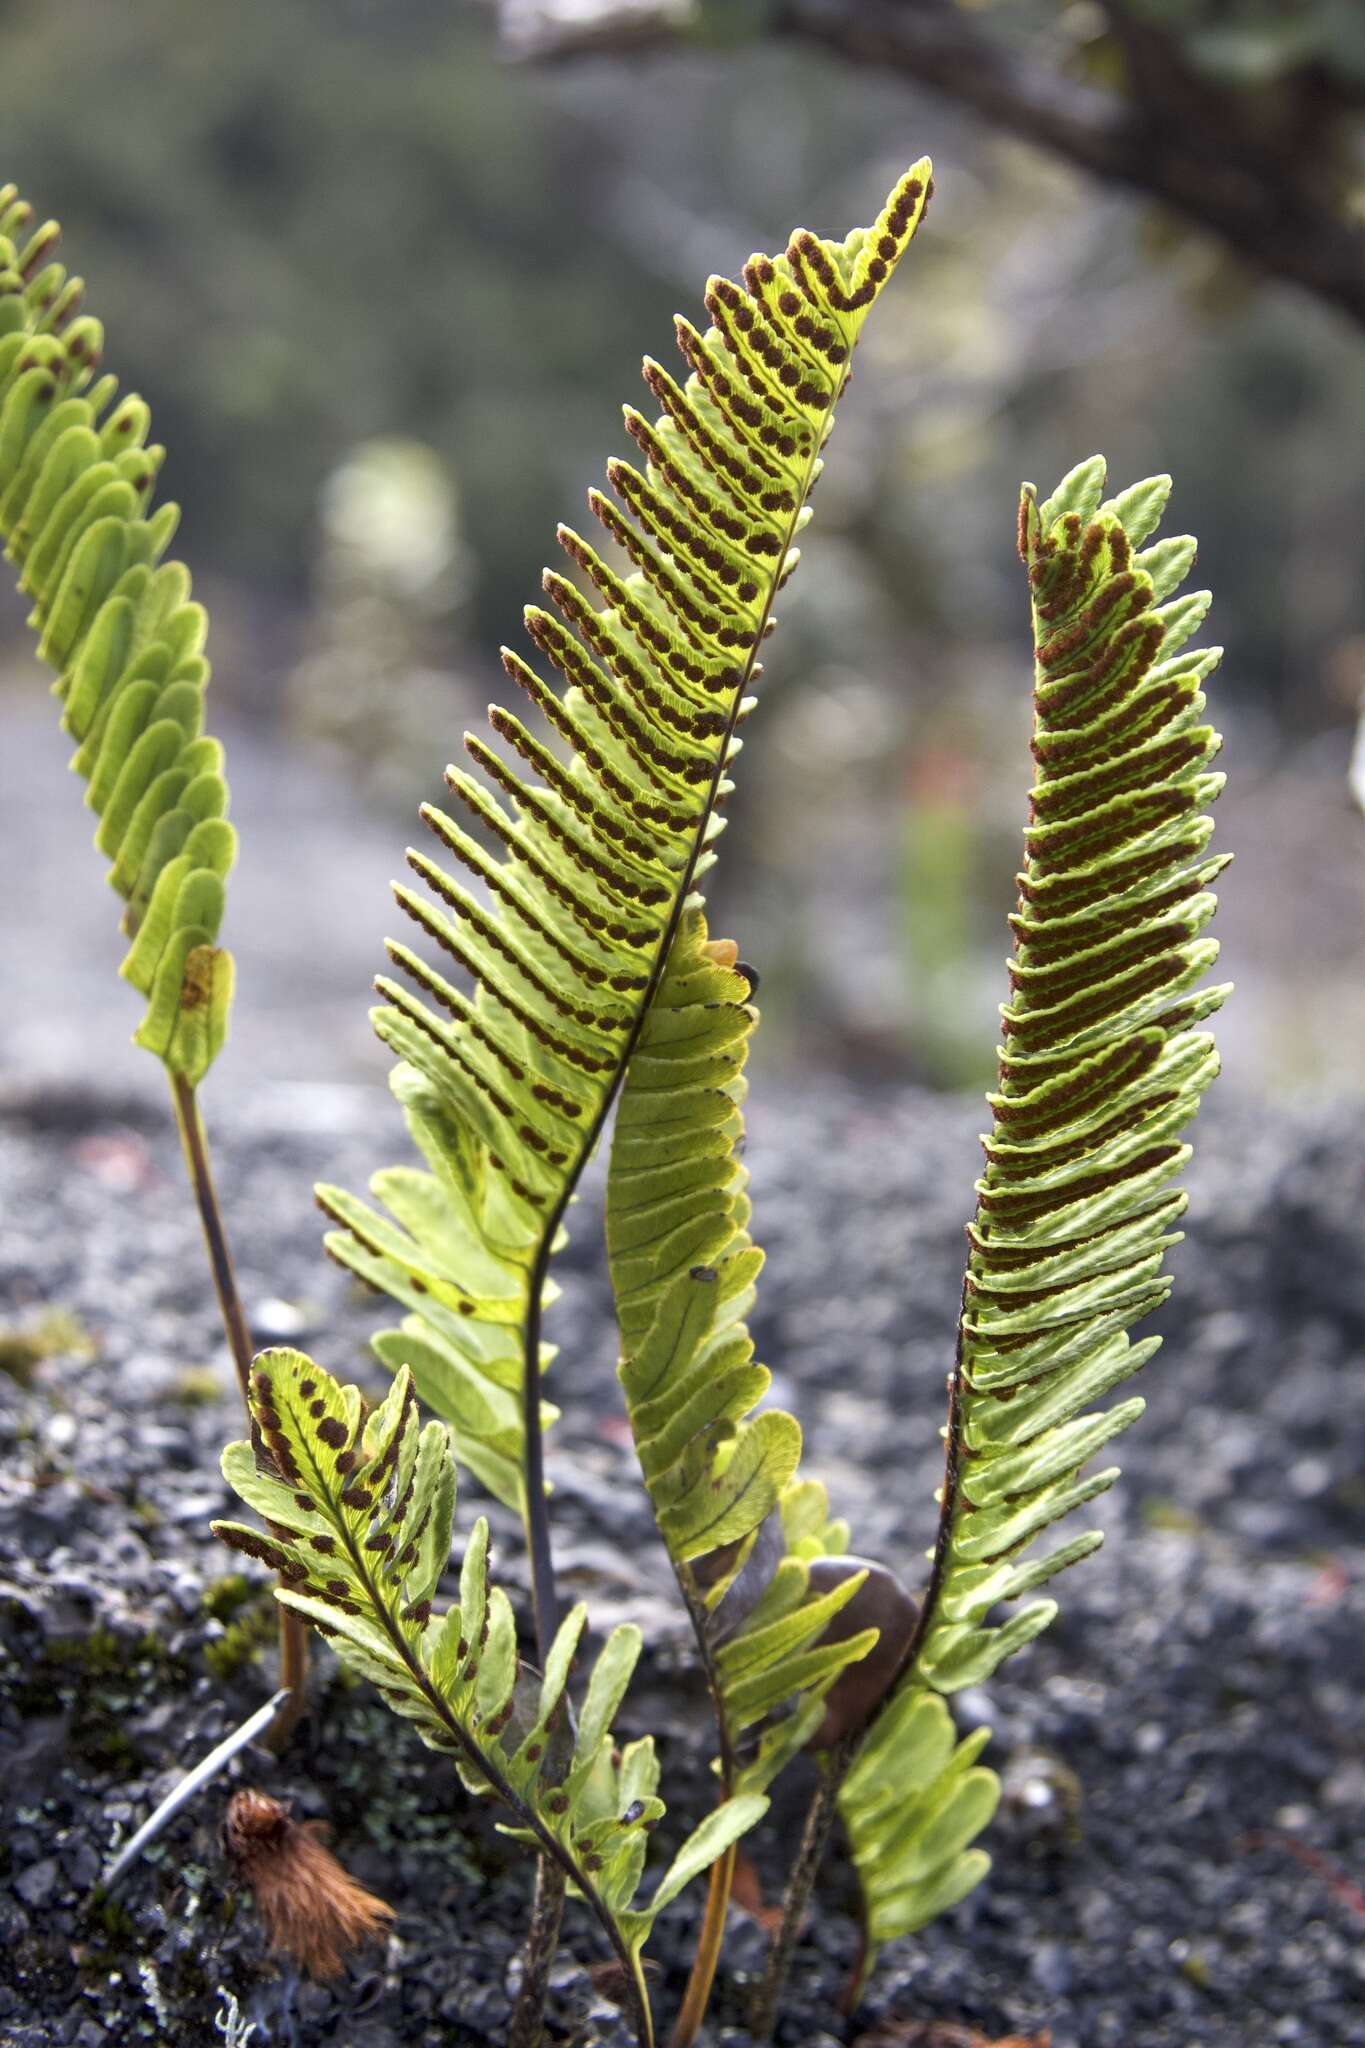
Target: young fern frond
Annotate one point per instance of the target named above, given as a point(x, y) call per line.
point(740, 1530)
point(561, 943)
point(1102, 1066)
point(119, 627)
point(358, 1510)
point(683, 1270)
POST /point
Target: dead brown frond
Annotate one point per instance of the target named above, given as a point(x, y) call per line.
point(313, 1911)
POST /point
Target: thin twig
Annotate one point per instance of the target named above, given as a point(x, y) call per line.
point(293, 1634)
point(189, 1785)
point(1268, 184)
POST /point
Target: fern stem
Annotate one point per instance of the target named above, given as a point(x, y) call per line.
point(825, 1805)
point(195, 1146)
point(697, 1996)
point(542, 1940)
point(722, 1876)
point(814, 1839)
point(293, 1634)
point(952, 1459)
point(536, 1515)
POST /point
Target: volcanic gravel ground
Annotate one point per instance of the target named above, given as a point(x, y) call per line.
point(1177, 1857)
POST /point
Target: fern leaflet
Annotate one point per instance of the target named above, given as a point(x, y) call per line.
point(566, 935)
point(358, 1510)
point(119, 627)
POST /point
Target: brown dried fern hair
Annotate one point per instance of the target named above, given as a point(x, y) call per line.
point(313, 1911)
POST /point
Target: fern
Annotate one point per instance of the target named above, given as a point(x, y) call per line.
point(1102, 1067)
point(721, 1480)
point(508, 1089)
point(683, 1270)
point(586, 978)
point(359, 1509)
point(1103, 1063)
point(119, 627)
point(912, 1803)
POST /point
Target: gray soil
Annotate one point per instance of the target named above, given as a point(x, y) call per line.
point(1176, 1861)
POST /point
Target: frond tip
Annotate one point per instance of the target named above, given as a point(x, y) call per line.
point(1103, 1062)
point(117, 624)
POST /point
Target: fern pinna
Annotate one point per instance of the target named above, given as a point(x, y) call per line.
point(1103, 1065)
point(359, 1509)
point(508, 1078)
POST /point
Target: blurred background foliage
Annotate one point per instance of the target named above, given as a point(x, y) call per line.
point(387, 290)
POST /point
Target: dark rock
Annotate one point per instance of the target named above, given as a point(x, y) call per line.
point(36, 1885)
point(1181, 1872)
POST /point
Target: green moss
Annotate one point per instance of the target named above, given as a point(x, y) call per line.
point(53, 1333)
point(244, 1638)
point(1160, 1513)
point(223, 1597)
point(99, 1682)
point(198, 1386)
point(97, 1653)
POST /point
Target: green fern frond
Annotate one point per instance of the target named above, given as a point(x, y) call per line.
point(508, 1077)
point(1103, 1063)
point(738, 1528)
point(912, 1804)
point(119, 627)
point(358, 1510)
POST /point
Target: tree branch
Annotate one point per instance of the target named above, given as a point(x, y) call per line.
point(1259, 171)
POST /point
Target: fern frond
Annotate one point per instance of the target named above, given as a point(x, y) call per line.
point(739, 1529)
point(119, 627)
point(358, 1510)
point(600, 837)
point(1103, 1063)
point(912, 1804)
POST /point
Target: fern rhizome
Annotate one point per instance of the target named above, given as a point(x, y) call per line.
point(569, 980)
